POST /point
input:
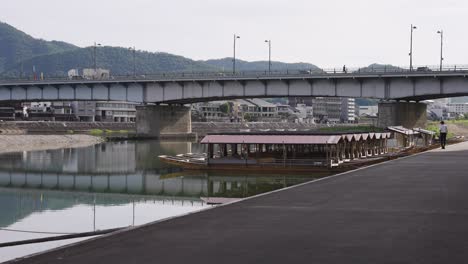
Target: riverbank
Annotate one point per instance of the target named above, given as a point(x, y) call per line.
point(60, 128)
point(17, 143)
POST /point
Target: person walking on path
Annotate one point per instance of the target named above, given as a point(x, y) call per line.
point(344, 69)
point(443, 134)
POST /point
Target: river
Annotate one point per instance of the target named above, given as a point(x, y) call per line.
point(113, 184)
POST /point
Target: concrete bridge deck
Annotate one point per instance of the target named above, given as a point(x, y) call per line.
point(186, 88)
point(410, 210)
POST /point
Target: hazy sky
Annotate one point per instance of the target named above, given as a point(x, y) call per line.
point(327, 33)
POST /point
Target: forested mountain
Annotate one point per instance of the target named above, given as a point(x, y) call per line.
point(380, 68)
point(19, 52)
point(226, 64)
point(16, 46)
point(118, 60)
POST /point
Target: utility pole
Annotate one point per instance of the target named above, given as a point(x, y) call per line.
point(269, 55)
point(133, 49)
point(411, 48)
point(94, 55)
point(234, 57)
point(441, 32)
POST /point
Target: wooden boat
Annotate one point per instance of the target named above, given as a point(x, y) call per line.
point(198, 164)
point(285, 152)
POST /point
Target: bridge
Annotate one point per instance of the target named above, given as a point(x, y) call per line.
point(181, 88)
point(176, 89)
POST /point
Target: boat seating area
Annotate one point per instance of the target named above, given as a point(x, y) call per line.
point(293, 149)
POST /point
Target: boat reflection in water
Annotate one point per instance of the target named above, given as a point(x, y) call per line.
point(114, 184)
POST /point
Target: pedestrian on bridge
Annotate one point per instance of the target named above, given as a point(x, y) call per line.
point(443, 134)
point(344, 69)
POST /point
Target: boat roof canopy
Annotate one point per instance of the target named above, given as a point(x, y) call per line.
point(402, 130)
point(317, 139)
point(424, 131)
point(272, 139)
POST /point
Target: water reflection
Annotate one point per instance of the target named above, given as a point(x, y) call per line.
point(130, 168)
point(110, 157)
point(30, 213)
point(18, 204)
point(113, 184)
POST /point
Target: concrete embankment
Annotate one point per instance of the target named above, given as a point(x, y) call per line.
point(28, 127)
point(17, 143)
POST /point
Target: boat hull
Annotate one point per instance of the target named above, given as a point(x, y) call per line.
point(268, 168)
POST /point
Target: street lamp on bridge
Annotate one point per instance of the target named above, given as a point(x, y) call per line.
point(133, 49)
point(269, 55)
point(441, 32)
point(411, 48)
point(234, 57)
point(94, 55)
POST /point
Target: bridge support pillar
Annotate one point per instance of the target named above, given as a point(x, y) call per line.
point(164, 122)
point(409, 115)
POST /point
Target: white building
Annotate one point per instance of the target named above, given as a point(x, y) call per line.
point(104, 111)
point(458, 108)
point(211, 111)
point(305, 114)
point(257, 108)
point(327, 109)
point(115, 111)
point(348, 110)
point(368, 110)
point(84, 110)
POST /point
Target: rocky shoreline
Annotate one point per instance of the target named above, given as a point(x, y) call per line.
point(18, 143)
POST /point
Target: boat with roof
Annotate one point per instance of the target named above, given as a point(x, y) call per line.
point(285, 151)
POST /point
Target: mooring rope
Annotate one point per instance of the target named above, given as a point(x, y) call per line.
point(60, 237)
point(34, 232)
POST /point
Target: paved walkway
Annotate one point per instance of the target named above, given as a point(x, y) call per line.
point(412, 210)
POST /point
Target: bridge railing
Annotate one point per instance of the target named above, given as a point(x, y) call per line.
point(369, 70)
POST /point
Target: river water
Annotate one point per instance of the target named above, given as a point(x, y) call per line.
point(113, 184)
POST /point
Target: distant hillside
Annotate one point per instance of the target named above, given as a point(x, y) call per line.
point(16, 46)
point(118, 60)
point(19, 52)
point(226, 64)
point(379, 67)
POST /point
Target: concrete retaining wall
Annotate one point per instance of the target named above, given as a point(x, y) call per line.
point(409, 115)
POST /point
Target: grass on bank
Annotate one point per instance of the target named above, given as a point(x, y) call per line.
point(458, 122)
point(98, 132)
